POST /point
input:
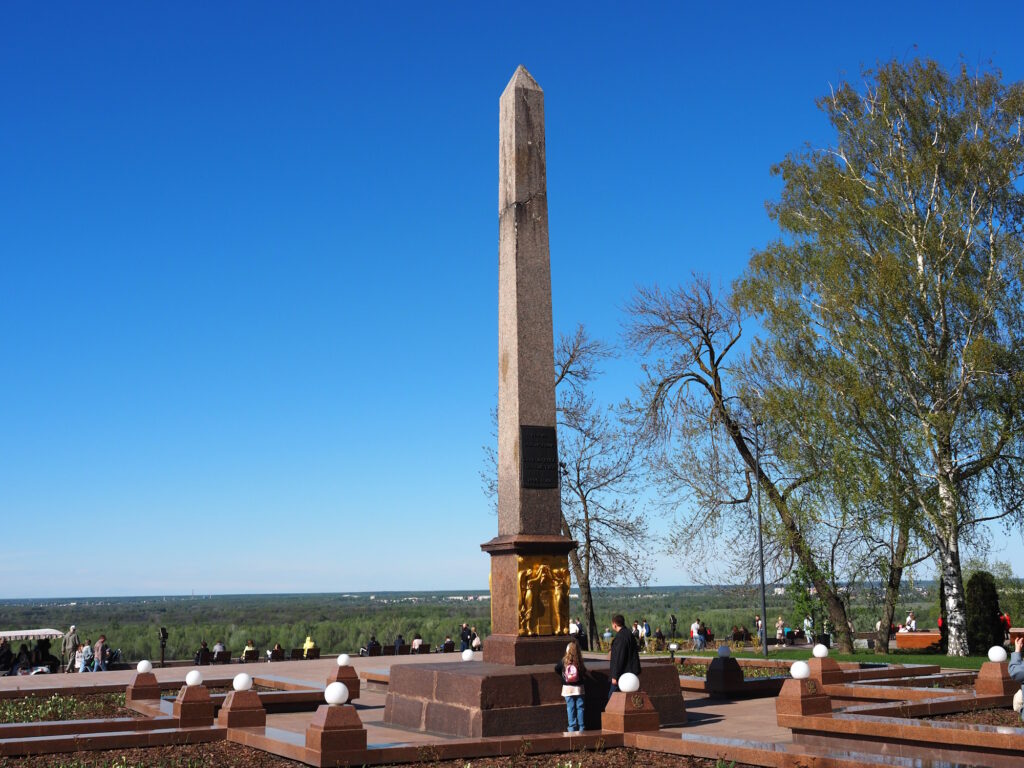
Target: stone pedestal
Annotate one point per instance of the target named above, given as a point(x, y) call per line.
point(826, 671)
point(349, 677)
point(802, 697)
point(334, 732)
point(242, 709)
point(994, 680)
point(193, 706)
point(143, 687)
point(505, 645)
point(473, 699)
point(629, 712)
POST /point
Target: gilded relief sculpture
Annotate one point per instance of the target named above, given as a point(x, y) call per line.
point(543, 596)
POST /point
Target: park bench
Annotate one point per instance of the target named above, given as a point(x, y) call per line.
point(203, 657)
point(916, 640)
point(424, 648)
point(297, 654)
point(252, 655)
point(222, 657)
point(277, 654)
point(312, 653)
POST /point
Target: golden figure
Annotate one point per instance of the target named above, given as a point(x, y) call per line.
point(543, 596)
point(561, 600)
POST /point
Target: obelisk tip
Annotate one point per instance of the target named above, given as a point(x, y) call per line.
point(523, 79)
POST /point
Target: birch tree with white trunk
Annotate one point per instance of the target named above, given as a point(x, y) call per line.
point(900, 272)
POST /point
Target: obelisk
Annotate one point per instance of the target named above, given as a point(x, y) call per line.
point(529, 557)
point(513, 691)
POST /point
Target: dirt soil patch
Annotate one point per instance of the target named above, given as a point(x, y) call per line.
point(1005, 717)
point(749, 673)
point(226, 754)
point(34, 709)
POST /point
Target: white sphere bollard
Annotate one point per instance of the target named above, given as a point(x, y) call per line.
point(195, 677)
point(997, 654)
point(144, 667)
point(724, 652)
point(336, 693)
point(467, 655)
point(242, 682)
point(343, 660)
point(629, 683)
point(820, 651)
point(800, 670)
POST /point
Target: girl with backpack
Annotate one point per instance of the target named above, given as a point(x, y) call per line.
point(571, 670)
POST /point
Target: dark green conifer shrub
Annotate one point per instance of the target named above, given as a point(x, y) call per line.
point(984, 628)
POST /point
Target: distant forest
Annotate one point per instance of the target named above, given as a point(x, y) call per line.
point(344, 622)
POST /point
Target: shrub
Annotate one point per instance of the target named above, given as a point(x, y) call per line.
point(983, 626)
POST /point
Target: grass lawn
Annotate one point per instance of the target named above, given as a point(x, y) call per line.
point(795, 654)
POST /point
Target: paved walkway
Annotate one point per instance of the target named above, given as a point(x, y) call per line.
point(749, 719)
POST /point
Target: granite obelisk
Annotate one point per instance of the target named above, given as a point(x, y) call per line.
point(514, 691)
point(529, 557)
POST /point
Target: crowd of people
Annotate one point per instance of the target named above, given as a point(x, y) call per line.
point(85, 656)
point(469, 639)
point(77, 655)
point(27, 660)
point(206, 655)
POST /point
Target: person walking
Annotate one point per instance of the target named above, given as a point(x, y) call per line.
point(99, 654)
point(624, 656)
point(69, 648)
point(571, 670)
point(86, 663)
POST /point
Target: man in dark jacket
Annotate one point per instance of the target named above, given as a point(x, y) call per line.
point(625, 656)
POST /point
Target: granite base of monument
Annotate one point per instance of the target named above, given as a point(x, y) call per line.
point(474, 699)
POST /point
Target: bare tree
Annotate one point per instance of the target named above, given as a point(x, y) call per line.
point(701, 436)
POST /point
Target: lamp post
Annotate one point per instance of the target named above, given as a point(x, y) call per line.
point(760, 540)
point(672, 648)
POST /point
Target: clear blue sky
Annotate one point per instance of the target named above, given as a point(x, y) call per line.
point(248, 299)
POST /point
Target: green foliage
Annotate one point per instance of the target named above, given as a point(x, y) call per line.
point(804, 602)
point(893, 302)
point(342, 623)
point(983, 626)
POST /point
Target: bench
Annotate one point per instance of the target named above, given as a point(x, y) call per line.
point(312, 653)
point(222, 657)
point(424, 648)
point(277, 654)
point(297, 654)
point(252, 655)
point(916, 640)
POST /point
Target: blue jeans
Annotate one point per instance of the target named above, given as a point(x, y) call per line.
point(574, 709)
